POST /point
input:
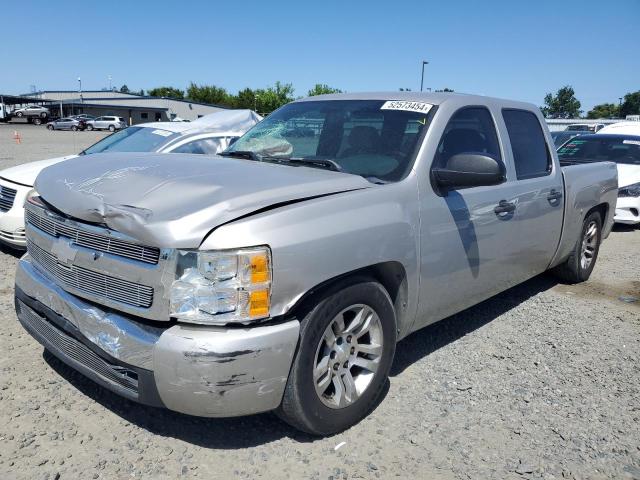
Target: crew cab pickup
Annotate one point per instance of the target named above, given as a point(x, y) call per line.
point(281, 274)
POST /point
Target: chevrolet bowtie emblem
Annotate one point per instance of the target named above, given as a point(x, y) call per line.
point(63, 251)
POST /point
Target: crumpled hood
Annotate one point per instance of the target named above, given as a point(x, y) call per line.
point(27, 172)
point(628, 174)
point(168, 200)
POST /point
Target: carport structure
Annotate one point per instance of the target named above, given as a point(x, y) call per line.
point(132, 114)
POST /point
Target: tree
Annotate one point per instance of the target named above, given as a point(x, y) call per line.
point(209, 94)
point(272, 98)
point(445, 89)
point(169, 92)
point(404, 89)
point(124, 89)
point(246, 98)
point(141, 92)
point(604, 110)
point(630, 104)
point(563, 104)
point(322, 89)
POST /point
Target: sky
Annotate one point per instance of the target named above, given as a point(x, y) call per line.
point(517, 49)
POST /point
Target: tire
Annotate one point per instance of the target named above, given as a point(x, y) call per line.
point(112, 128)
point(303, 406)
point(90, 128)
point(578, 267)
point(50, 127)
point(43, 115)
point(37, 121)
point(74, 128)
point(19, 114)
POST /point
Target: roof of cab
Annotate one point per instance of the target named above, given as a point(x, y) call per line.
point(434, 98)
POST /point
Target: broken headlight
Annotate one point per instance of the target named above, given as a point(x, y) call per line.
point(220, 287)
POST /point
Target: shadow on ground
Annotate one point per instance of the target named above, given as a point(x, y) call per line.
point(243, 432)
point(7, 250)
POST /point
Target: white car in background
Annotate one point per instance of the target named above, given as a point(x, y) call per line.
point(207, 135)
point(624, 150)
point(623, 128)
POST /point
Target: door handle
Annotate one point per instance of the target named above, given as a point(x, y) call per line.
point(504, 207)
point(554, 196)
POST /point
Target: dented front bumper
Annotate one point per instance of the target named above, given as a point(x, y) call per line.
point(193, 369)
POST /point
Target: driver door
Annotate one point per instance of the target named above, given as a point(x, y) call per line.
point(467, 243)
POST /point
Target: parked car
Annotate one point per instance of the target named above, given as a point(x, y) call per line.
point(624, 128)
point(84, 116)
point(67, 123)
point(106, 123)
point(624, 150)
point(281, 274)
point(585, 127)
point(209, 134)
point(562, 136)
point(32, 110)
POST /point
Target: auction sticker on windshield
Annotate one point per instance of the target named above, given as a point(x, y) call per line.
point(163, 133)
point(419, 107)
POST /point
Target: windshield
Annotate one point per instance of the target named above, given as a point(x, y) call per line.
point(133, 139)
point(371, 138)
point(600, 148)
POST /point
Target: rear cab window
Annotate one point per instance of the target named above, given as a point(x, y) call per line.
point(531, 154)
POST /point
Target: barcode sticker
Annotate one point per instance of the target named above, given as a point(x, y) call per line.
point(419, 107)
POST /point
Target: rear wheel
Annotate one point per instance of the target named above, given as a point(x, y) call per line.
point(578, 267)
point(37, 121)
point(19, 114)
point(50, 127)
point(90, 127)
point(43, 115)
point(347, 342)
point(74, 128)
point(112, 128)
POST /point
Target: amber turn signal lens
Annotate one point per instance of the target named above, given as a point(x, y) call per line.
point(259, 303)
point(259, 268)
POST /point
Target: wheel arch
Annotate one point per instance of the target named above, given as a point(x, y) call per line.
point(391, 275)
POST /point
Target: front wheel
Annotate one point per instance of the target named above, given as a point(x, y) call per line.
point(19, 114)
point(347, 343)
point(50, 127)
point(578, 267)
point(74, 128)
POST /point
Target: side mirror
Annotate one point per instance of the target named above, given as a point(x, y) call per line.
point(469, 170)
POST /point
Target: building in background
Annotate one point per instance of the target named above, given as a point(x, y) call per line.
point(134, 108)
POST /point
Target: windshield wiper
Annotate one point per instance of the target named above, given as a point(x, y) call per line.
point(314, 162)
point(246, 154)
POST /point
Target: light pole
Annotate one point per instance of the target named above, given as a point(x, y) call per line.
point(80, 89)
point(110, 89)
point(424, 62)
point(619, 107)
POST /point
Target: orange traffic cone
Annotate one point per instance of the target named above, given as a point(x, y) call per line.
point(17, 137)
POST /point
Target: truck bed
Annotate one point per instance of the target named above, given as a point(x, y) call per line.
point(586, 185)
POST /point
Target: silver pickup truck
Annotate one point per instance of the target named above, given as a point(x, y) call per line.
point(281, 274)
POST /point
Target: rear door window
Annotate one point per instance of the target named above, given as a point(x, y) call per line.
point(530, 153)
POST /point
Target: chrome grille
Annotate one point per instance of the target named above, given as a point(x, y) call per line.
point(96, 241)
point(75, 350)
point(91, 282)
point(7, 196)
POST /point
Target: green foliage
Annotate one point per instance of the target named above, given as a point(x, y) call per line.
point(322, 89)
point(630, 104)
point(169, 92)
point(209, 94)
point(445, 89)
point(272, 98)
point(563, 104)
point(404, 89)
point(124, 89)
point(604, 110)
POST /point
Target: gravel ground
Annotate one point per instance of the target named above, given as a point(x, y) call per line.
point(541, 381)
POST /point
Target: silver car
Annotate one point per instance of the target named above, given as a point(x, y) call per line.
point(32, 110)
point(107, 123)
point(66, 123)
